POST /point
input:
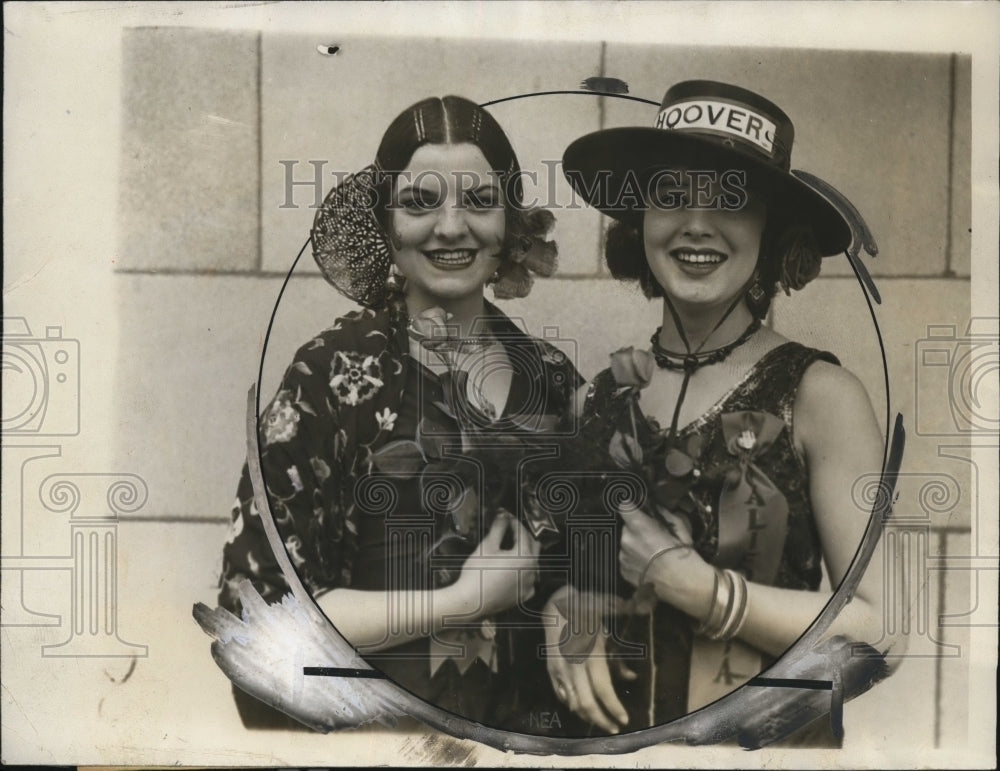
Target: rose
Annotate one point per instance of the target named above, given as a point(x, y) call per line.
point(433, 324)
point(631, 367)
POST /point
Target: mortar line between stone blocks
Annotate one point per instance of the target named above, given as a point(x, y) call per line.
point(938, 673)
point(174, 519)
point(264, 273)
point(950, 197)
point(602, 72)
point(601, 121)
point(260, 153)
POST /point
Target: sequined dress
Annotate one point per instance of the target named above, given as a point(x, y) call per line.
point(660, 693)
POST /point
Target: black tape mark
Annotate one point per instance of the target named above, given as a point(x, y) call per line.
point(785, 682)
point(605, 85)
point(372, 674)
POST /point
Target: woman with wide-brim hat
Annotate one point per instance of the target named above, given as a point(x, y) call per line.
point(750, 442)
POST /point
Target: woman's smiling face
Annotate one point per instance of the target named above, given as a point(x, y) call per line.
point(448, 223)
point(702, 256)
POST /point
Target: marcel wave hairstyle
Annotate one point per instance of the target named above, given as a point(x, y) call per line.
point(455, 120)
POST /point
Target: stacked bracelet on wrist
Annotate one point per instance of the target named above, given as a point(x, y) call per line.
point(657, 555)
point(729, 606)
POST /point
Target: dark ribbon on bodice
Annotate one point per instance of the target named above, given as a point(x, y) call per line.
point(753, 512)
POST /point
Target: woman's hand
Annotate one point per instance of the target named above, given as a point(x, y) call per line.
point(494, 579)
point(583, 682)
point(647, 542)
point(651, 554)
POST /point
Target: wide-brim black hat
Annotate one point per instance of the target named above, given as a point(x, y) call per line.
point(704, 125)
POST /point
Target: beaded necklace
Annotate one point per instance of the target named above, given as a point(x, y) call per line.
point(684, 361)
point(691, 361)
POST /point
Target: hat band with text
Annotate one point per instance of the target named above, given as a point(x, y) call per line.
point(722, 117)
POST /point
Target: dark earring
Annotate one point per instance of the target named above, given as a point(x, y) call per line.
point(756, 297)
point(395, 280)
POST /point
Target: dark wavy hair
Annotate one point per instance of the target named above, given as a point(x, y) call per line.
point(789, 259)
point(455, 120)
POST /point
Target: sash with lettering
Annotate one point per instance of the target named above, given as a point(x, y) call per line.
point(753, 518)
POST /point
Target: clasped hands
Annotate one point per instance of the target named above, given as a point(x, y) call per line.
point(493, 578)
point(579, 663)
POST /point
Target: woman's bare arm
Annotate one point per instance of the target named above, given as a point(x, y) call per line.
point(492, 579)
point(837, 433)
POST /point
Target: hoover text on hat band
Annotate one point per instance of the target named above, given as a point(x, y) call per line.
point(719, 116)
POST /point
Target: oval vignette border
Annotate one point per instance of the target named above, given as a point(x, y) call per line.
point(707, 725)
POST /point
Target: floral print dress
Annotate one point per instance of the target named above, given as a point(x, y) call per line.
point(352, 393)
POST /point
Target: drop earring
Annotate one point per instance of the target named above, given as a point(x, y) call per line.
point(756, 297)
point(395, 281)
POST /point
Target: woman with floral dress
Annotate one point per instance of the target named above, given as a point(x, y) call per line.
point(396, 524)
point(749, 443)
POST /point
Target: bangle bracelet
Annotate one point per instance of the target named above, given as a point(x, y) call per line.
point(722, 593)
point(736, 609)
point(660, 553)
point(705, 622)
point(723, 607)
point(740, 616)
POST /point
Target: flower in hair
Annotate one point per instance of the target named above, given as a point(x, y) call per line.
point(532, 254)
point(802, 260)
point(513, 281)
